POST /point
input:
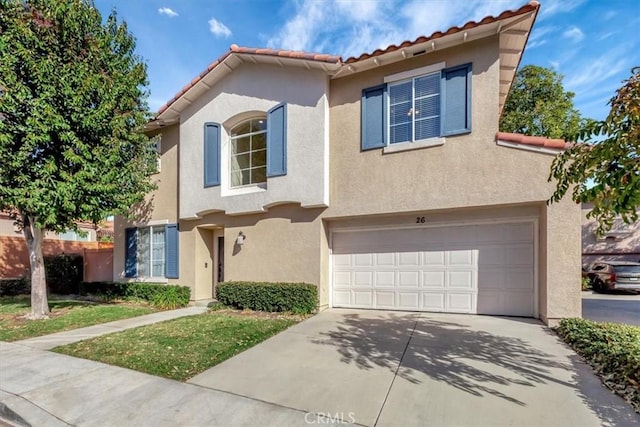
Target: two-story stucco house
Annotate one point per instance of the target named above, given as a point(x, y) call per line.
point(382, 179)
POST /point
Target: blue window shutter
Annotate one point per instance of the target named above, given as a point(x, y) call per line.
point(277, 141)
point(211, 154)
point(171, 251)
point(131, 251)
point(374, 118)
point(456, 100)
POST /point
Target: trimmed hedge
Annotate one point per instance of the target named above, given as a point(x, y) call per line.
point(11, 287)
point(265, 296)
point(158, 294)
point(64, 273)
point(612, 349)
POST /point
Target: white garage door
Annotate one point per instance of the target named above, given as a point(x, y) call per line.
point(484, 269)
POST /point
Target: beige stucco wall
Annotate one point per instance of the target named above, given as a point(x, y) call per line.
point(561, 248)
point(282, 245)
point(160, 207)
point(250, 90)
point(467, 171)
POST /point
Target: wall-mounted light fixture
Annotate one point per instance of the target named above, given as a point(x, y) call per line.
point(240, 239)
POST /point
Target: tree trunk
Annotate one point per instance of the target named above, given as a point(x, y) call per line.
point(34, 235)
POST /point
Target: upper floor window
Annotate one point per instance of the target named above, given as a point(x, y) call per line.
point(248, 153)
point(417, 105)
point(257, 150)
point(414, 109)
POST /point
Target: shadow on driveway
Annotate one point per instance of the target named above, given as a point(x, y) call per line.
point(517, 352)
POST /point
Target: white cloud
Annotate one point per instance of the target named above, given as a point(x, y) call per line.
point(607, 35)
point(350, 27)
point(555, 64)
point(574, 33)
point(553, 7)
point(536, 38)
point(218, 29)
point(167, 11)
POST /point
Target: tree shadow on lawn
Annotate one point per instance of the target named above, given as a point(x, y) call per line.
point(472, 360)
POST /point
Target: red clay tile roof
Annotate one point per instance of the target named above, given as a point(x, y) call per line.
point(320, 57)
point(538, 141)
point(529, 7)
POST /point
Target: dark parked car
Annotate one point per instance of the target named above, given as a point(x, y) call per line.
point(614, 275)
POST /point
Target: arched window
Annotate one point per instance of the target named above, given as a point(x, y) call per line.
point(249, 152)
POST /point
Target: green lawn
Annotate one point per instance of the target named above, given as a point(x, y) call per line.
point(182, 348)
point(65, 315)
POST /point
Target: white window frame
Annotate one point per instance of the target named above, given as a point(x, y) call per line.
point(230, 155)
point(400, 78)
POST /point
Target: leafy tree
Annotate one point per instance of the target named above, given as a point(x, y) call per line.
point(538, 105)
point(72, 112)
point(611, 162)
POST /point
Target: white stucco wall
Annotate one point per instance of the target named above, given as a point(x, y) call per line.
point(249, 90)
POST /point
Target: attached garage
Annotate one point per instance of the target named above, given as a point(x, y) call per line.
point(482, 268)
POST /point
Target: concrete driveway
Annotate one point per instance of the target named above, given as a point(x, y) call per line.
point(391, 368)
point(612, 307)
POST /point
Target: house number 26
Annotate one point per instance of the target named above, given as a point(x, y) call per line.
point(420, 220)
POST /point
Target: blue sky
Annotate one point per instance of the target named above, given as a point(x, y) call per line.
point(593, 43)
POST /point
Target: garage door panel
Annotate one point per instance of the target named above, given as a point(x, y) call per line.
point(518, 304)
point(460, 302)
point(409, 300)
point(342, 279)
point(433, 279)
point(386, 259)
point(433, 301)
point(460, 280)
point(518, 232)
point(491, 279)
point(385, 299)
point(342, 298)
point(385, 279)
point(342, 260)
point(365, 260)
point(461, 258)
point(491, 255)
point(519, 280)
point(434, 258)
point(363, 278)
point(519, 255)
point(409, 258)
point(363, 298)
point(486, 269)
point(409, 279)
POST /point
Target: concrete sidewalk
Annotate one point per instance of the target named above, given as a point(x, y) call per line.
point(50, 389)
point(47, 342)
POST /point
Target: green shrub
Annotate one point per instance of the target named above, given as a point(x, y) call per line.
point(613, 350)
point(263, 296)
point(11, 287)
point(586, 284)
point(158, 294)
point(64, 273)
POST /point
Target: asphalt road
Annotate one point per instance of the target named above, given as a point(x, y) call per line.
point(618, 308)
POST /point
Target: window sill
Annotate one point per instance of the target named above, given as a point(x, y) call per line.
point(408, 146)
point(147, 279)
point(247, 189)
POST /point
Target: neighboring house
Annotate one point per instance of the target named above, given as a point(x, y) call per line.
point(381, 179)
point(621, 243)
point(14, 255)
